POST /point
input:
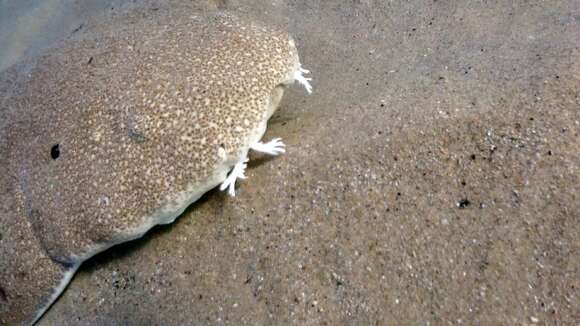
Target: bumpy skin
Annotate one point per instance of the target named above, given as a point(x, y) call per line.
point(110, 136)
point(29, 279)
point(181, 101)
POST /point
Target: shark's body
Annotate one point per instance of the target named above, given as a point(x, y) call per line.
point(111, 136)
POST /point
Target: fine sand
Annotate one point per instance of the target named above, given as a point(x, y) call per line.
point(432, 178)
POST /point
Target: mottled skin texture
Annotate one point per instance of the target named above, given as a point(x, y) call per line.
point(112, 135)
point(27, 275)
point(160, 125)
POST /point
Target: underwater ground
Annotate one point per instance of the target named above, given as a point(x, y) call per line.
point(432, 178)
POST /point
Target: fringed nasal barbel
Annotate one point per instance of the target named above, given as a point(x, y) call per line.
point(238, 172)
point(273, 147)
point(299, 76)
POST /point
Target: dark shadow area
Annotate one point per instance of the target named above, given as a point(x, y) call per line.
point(259, 159)
point(280, 119)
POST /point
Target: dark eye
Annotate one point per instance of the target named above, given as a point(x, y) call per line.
point(54, 152)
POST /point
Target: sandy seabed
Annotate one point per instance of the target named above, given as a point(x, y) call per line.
point(431, 178)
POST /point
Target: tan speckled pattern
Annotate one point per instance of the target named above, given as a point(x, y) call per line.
point(139, 118)
point(28, 277)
